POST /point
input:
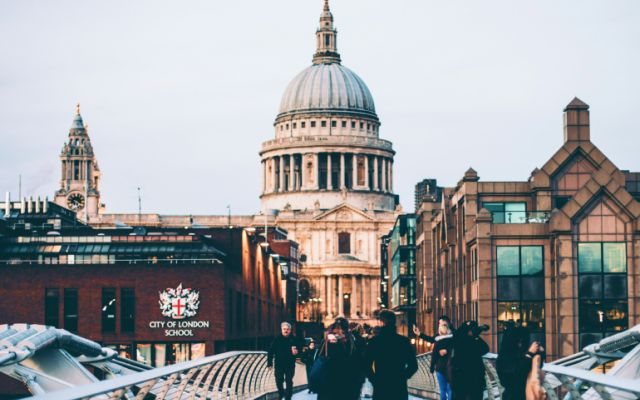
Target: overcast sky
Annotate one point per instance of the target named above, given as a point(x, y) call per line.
point(179, 95)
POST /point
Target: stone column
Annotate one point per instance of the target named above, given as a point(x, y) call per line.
point(281, 183)
point(391, 176)
point(340, 296)
point(354, 296)
point(383, 186)
point(354, 171)
point(342, 170)
point(375, 289)
point(272, 160)
point(316, 172)
point(292, 175)
point(329, 183)
point(366, 173)
point(375, 174)
point(330, 294)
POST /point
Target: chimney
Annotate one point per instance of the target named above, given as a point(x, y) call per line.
point(22, 205)
point(30, 205)
point(45, 205)
point(576, 121)
point(38, 205)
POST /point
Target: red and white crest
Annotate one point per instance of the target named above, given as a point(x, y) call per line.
point(179, 303)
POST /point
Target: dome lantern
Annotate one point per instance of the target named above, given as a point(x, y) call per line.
point(326, 39)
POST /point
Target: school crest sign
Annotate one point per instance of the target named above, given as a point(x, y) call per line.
point(179, 303)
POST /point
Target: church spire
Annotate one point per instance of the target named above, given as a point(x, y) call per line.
point(326, 39)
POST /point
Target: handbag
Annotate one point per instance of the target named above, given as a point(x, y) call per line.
point(319, 374)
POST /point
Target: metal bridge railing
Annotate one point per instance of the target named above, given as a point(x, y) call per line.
point(232, 375)
point(424, 384)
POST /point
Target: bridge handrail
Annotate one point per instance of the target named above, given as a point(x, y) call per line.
point(167, 377)
point(570, 376)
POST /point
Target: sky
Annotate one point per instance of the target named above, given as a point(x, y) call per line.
point(179, 96)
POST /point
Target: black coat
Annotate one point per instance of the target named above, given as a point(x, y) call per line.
point(280, 350)
point(467, 366)
point(513, 370)
point(390, 361)
point(345, 376)
point(438, 362)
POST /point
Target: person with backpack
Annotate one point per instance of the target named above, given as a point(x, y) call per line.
point(440, 361)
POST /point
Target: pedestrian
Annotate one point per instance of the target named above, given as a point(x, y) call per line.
point(284, 350)
point(308, 357)
point(440, 361)
point(443, 320)
point(466, 364)
point(390, 360)
point(515, 361)
point(342, 378)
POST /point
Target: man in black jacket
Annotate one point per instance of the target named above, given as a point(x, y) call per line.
point(390, 361)
point(284, 350)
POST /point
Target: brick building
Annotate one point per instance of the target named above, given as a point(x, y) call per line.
point(159, 295)
point(557, 252)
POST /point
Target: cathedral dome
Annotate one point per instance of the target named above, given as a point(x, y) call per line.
point(327, 87)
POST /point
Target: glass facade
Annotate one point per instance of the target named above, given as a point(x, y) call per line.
point(603, 306)
point(520, 299)
point(507, 213)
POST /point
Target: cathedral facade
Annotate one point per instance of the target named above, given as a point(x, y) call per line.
point(327, 180)
point(328, 177)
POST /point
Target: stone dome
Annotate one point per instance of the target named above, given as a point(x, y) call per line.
point(327, 88)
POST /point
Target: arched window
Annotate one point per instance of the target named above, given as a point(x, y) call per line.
point(344, 243)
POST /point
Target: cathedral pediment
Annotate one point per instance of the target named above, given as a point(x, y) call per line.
point(343, 212)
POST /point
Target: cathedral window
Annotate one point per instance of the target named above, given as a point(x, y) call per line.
point(344, 124)
point(361, 125)
point(287, 127)
point(344, 243)
point(323, 124)
point(353, 124)
point(303, 124)
point(368, 127)
point(295, 125)
point(333, 124)
point(313, 124)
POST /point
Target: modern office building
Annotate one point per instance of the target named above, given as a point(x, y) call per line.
point(557, 252)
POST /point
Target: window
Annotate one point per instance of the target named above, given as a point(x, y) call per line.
point(127, 310)
point(313, 124)
point(344, 124)
point(334, 124)
point(303, 124)
point(507, 213)
point(287, 127)
point(71, 310)
point(344, 243)
point(295, 125)
point(361, 125)
point(602, 290)
point(323, 124)
point(108, 310)
point(520, 271)
point(353, 124)
point(52, 307)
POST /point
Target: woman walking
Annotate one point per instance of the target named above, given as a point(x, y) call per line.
point(343, 372)
point(440, 361)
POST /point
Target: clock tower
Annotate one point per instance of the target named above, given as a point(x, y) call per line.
point(80, 181)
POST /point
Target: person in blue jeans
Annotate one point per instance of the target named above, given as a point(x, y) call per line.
point(440, 361)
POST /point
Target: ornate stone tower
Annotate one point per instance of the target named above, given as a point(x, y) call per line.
point(80, 181)
point(329, 177)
